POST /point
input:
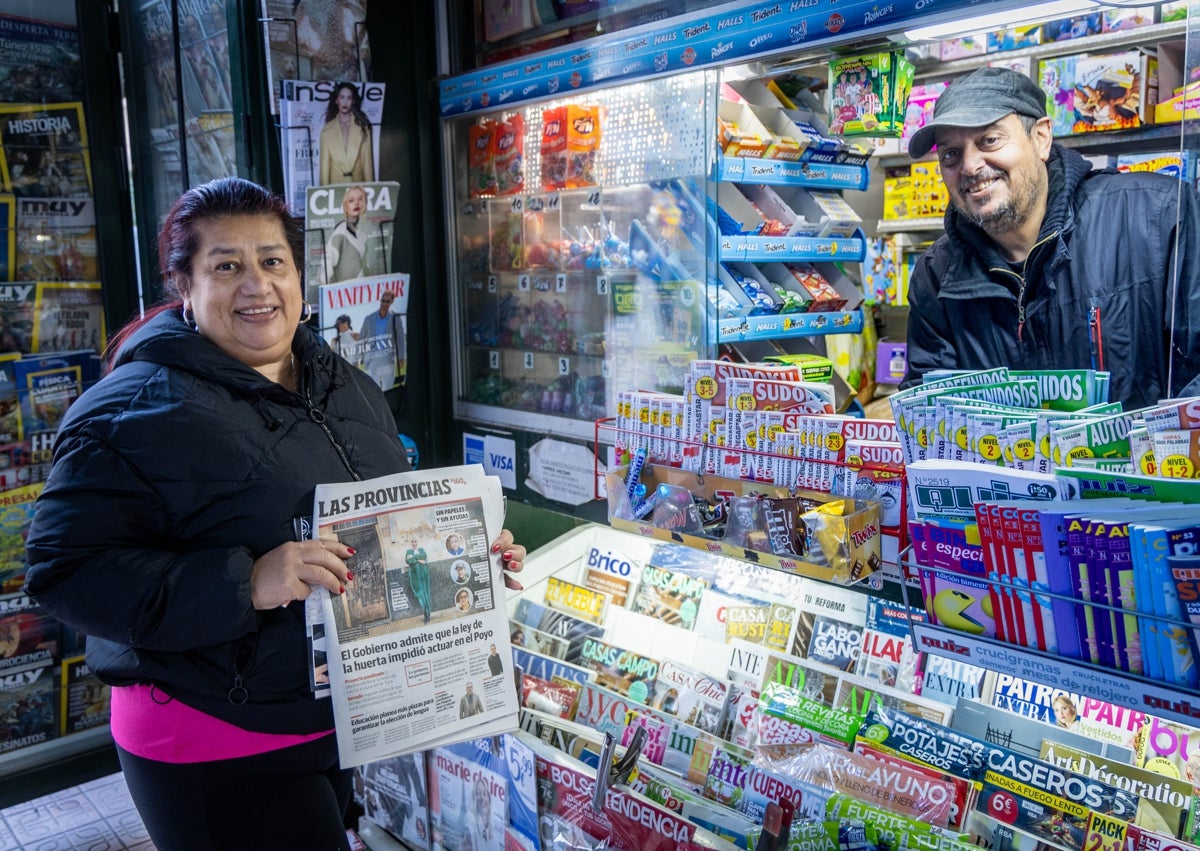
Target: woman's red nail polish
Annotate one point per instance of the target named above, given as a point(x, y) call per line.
point(507, 555)
point(341, 589)
point(495, 548)
point(349, 576)
point(351, 549)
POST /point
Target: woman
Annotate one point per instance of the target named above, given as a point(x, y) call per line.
point(347, 254)
point(165, 531)
point(346, 153)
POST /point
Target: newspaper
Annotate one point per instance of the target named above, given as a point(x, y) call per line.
point(408, 643)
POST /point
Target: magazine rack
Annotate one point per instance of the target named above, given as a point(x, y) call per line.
point(1120, 688)
point(862, 559)
point(291, 23)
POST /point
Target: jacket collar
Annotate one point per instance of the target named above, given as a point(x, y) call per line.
point(973, 252)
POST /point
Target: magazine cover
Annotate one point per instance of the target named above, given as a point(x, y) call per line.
point(831, 624)
point(366, 322)
point(413, 642)
point(315, 149)
point(348, 233)
point(8, 236)
point(468, 796)
point(537, 641)
point(576, 600)
point(314, 40)
point(32, 707)
point(39, 61)
point(622, 670)
point(56, 240)
point(43, 150)
point(558, 624)
point(393, 794)
point(16, 513)
point(44, 391)
point(85, 702)
point(68, 316)
point(671, 596)
point(1165, 804)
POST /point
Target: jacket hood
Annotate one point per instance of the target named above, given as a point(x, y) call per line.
point(167, 341)
point(1065, 170)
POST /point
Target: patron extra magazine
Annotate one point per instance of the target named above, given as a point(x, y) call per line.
point(408, 643)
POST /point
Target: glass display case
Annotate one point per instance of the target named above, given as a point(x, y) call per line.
point(578, 268)
point(582, 271)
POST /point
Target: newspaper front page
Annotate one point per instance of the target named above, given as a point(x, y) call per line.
point(418, 646)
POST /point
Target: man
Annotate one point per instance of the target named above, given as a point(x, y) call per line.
point(382, 343)
point(470, 704)
point(495, 663)
point(1047, 263)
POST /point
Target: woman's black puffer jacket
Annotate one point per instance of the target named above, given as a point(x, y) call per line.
point(170, 477)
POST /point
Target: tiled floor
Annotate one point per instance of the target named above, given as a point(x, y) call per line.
point(95, 816)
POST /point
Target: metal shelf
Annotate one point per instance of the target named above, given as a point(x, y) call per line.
point(1151, 34)
point(812, 175)
point(776, 326)
point(930, 223)
point(790, 249)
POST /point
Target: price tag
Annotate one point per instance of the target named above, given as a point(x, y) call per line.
point(492, 286)
point(593, 198)
point(468, 209)
point(602, 285)
point(494, 359)
point(560, 283)
point(534, 204)
point(552, 201)
point(523, 283)
point(564, 366)
point(483, 206)
point(517, 205)
point(529, 360)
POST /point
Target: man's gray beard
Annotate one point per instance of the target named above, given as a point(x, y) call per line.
point(997, 222)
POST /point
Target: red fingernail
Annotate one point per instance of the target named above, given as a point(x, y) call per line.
point(351, 549)
point(349, 576)
point(495, 548)
point(507, 555)
point(341, 589)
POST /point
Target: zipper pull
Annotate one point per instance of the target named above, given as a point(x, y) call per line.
point(238, 694)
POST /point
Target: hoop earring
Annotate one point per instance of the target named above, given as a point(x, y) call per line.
point(189, 317)
point(306, 313)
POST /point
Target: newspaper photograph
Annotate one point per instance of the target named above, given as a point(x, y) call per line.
point(412, 645)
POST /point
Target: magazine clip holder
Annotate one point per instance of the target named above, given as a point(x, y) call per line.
point(324, 258)
point(360, 29)
point(291, 22)
point(612, 772)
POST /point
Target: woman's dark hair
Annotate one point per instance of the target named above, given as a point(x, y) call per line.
point(179, 239)
point(331, 109)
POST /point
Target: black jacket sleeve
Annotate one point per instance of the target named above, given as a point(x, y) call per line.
point(101, 558)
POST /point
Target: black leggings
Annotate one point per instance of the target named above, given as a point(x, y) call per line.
point(293, 798)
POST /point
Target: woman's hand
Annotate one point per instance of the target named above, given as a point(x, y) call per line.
point(512, 558)
point(285, 573)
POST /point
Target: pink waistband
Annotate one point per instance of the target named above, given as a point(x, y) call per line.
point(149, 724)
